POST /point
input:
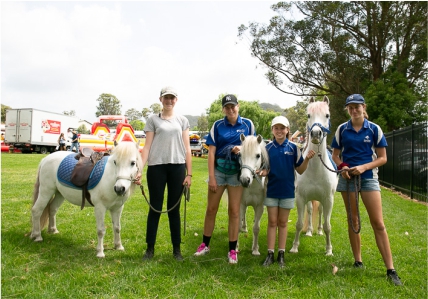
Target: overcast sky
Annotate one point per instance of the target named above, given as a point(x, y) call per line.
point(60, 56)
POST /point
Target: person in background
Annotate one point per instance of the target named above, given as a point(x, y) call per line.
point(169, 159)
point(223, 165)
point(284, 159)
point(74, 141)
point(61, 142)
point(359, 147)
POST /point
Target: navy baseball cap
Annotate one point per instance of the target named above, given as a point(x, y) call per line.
point(229, 99)
point(354, 99)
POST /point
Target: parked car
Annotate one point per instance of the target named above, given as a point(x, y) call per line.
point(140, 134)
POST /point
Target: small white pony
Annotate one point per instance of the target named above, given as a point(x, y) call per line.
point(253, 156)
point(317, 182)
point(110, 185)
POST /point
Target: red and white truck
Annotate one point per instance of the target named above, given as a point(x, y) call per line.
point(32, 130)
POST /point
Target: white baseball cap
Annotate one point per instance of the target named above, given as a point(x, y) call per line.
point(168, 90)
point(280, 120)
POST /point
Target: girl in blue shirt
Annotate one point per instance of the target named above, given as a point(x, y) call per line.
point(362, 146)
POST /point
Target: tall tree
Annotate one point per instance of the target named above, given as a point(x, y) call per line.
point(108, 104)
point(341, 48)
point(133, 114)
point(203, 123)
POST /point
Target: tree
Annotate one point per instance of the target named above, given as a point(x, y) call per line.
point(156, 108)
point(70, 113)
point(133, 114)
point(108, 104)
point(3, 112)
point(137, 124)
point(297, 117)
point(83, 130)
point(203, 123)
point(341, 48)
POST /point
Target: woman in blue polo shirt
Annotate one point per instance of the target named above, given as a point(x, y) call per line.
point(223, 166)
point(362, 146)
point(284, 159)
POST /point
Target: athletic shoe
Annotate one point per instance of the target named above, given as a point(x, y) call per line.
point(269, 259)
point(393, 276)
point(233, 257)
point(358, 264)
point(202, 250)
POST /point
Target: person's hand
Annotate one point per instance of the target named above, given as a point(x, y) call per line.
point(356, 170)
point(236, 150)
point(212, 184)
point(137, 180)
point(262, 172)
point(187, 180)
point(310, 154)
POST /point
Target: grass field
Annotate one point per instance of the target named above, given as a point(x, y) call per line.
point(65, 265)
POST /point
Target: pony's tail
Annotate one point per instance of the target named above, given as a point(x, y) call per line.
point(45, 215)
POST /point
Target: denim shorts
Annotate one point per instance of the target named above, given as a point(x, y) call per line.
point(226, 179)
point(284, 203)
point(366, 185)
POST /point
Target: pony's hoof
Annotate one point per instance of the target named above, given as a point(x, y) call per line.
point(53, 231)
point(120, 248)
point(294, 250)
point(36, 238)
point(101, 255)
point(255, 253)
point(320, 233)
point(309, 233)
point(243, 230)
point(329, 253)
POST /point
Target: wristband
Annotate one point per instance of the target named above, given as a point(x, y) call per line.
point(343, 164)
point(189, 175)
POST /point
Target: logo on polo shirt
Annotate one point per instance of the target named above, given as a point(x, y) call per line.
point(288, 153)
point(240, 131)
point(367, 139)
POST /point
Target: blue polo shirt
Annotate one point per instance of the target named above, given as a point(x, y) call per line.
point(283, 158)
point(359, 148)
point(223, 134)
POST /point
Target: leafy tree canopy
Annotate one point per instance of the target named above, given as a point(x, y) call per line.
point(342, 48)
point(3, 112)
point(108, 104)
point(133, 114)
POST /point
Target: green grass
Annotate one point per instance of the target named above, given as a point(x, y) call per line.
point(65, 265)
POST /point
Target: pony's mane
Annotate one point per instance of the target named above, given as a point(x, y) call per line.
point(125, 150)
point(318, 108)
point(250, 143)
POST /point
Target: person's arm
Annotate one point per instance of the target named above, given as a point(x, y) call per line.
point(212, 182)
point(186, 140)
point(144, 155)
point(302, 167)
point(379, 161)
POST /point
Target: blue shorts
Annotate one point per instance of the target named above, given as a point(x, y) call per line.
point(226, 179)
point(284, 203)
point(366, 185)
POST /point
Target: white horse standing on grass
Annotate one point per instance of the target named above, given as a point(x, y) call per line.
point(317, 182)
point(115, 186)
point(253, 156)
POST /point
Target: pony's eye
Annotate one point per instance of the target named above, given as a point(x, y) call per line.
point(309, 116)
point(258, 156)
point(133, 163)
point(327, 115)
point(114, 162)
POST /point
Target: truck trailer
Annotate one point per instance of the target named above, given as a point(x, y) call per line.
point(32, 130)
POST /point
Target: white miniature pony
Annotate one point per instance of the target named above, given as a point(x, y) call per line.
point(253, 156)
point(317, 182)
point(110, 185)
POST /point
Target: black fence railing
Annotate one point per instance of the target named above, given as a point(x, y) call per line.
point(407, 168)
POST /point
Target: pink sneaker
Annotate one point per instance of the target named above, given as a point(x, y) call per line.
point(233, 257)
point(202, 250)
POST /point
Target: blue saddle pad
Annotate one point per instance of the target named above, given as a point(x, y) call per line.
point(66, 168)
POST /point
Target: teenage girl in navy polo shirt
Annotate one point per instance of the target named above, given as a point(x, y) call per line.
point(224, 145)
point(363, 148)
point(284, 159)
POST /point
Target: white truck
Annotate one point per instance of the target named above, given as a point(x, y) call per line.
point(32, 130)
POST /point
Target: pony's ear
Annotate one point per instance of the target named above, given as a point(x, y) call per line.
point(326, 99)
point(311, 100)
point(137, 145)
point(242, 137)
point(115, 143)
point(259, 138)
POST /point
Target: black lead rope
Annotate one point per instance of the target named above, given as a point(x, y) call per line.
point(357, 188)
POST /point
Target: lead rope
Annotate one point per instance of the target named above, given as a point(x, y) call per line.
point(357, 188)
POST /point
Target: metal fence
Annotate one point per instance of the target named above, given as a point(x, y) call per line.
point(406, 169)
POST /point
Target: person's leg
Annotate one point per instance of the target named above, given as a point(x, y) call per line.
point(212, 208)
point(355, 239)
point(235, 194)
point(283, 215)
point(272, 227)
point(373, 203)
point(156, 181)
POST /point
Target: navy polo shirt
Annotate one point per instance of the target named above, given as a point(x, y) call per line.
point(283, 158)
point(359, 148)
point(224, 134)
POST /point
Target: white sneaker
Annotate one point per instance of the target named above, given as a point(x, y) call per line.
point(202, 250)
point(233, 257)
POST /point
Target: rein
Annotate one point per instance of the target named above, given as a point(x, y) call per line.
point(186, 192)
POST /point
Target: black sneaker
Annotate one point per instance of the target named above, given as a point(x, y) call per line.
point(280, 259)
point(269, 259)
point(358, 264)
point(177, 255)
point(148, 255)
point(393, 276)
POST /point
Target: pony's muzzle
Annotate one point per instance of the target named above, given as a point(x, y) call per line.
point(245, 181)
point(120, 190)
point(316, 137)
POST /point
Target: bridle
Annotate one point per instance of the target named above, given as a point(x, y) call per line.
point(252, 170)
